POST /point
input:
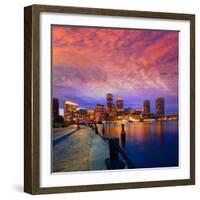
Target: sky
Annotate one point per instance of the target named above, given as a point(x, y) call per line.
point(89, 62)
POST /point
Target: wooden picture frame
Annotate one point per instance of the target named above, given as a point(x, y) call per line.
point(32, 98)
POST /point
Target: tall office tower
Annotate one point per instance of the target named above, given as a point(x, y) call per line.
point(113, 111)
point(120, 104)
point(146, 107)
point(69, 110)
point(55, 108)
point(160, 107)
point(99, 113)
point(109, 98)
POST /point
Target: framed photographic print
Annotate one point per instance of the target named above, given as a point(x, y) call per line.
point(109, 99)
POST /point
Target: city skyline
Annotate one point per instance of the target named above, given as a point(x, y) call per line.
point(117, 104)
point(133, 64)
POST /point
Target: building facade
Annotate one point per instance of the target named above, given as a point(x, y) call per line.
point(146, 107)
point(113, 111)
point(55, 108)
point(160, 107)
point(120, 104)
point(90, 114)
point(99, 113)
point(69, 111)
point(80, 115)
point(109, 98)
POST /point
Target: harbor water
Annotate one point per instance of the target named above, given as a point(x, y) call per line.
point(147, 144)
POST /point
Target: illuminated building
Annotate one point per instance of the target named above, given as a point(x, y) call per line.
point(148, 116)
point(90, 114)
point(146, 107)
point(109, 98)
point(120, 104)
point(128, 111)
point(113, 111)
point(80, 115)
point(69, 110)
point(172, 117)
point(160, 107)
point(137, 114)
point(55, 108)
point(99, 113)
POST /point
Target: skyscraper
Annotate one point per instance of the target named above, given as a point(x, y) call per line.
point(160, 107)
point(113, 112)
point(109, 97)
point(120, 104)
point(69, 110)
point(55, 108)
point(146, 107)
point(99, 113)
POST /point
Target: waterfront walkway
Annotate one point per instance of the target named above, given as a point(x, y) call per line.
point(57, 132)
point(81, 151)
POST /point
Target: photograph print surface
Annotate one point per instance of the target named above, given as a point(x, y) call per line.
point(114, 98)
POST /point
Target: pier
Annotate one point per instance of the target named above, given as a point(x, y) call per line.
point(81, 151)
point(84, 148)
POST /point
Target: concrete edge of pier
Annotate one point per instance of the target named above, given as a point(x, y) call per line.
point(62, 137)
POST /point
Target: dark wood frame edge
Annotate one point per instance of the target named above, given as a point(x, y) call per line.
point(31, 98)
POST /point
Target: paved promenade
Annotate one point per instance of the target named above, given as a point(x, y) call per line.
point(57, 132)
point(81, 151)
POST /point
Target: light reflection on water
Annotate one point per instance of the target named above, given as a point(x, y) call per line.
point(148, 144)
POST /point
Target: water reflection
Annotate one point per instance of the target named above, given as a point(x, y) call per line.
point(123, 136)
point(160, 132)
point(148, 144)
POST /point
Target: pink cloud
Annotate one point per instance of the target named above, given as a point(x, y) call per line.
point(115, 60)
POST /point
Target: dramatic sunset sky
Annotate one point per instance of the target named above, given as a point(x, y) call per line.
point(136, 65)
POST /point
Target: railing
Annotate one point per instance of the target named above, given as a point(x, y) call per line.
point(114, 146)
point(124, 156)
